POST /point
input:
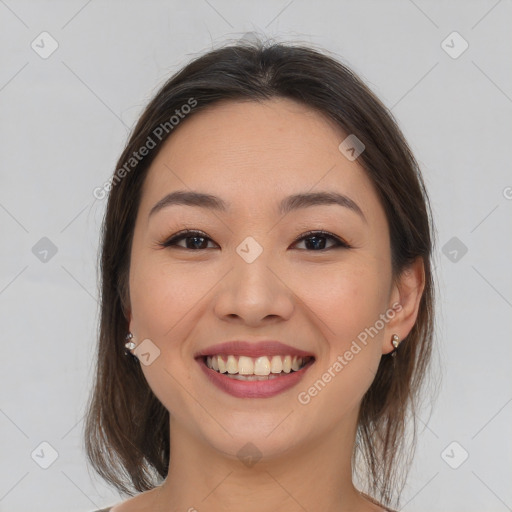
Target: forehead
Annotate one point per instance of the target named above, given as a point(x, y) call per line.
point(251, 153)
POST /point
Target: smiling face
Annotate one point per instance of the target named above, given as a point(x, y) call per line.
point(316, 294)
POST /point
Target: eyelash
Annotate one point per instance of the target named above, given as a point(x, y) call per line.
point(191, 233)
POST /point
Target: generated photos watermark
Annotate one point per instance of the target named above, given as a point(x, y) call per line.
point(305, 397)
point(157, 135)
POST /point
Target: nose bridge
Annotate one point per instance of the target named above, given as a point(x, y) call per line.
point(252, 290)
point(251, 263)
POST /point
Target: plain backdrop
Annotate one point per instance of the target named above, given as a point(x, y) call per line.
point(75, 75)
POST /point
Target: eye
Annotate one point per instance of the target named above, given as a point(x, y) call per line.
point(318, 240)
point(197, 240)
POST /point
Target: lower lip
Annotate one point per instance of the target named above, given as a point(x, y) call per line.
point(255, 388)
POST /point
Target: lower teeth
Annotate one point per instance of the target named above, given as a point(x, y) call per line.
point(237, 376)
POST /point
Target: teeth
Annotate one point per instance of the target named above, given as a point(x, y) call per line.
point(287, 364)
point(252, 377)
point(276, 366)
point(245, 366)
point(260, 366)
point(232, 365)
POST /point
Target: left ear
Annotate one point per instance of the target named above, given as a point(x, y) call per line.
point(407, 292)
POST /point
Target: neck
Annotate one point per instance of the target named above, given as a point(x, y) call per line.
point(316, 475)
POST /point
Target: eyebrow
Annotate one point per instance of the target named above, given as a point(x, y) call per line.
point(288, 204)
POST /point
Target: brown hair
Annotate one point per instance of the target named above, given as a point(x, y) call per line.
point(122, 409)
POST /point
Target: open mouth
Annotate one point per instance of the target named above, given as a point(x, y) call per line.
point(262, 368)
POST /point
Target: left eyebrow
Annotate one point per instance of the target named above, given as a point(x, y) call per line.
point(288, 204)
point(309, 199)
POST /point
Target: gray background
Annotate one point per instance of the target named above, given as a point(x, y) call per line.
point(65, 119)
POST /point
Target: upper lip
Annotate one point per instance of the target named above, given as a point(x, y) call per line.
point(252, 349)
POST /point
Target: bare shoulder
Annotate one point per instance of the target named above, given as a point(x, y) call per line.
point(142, 502)
point(374, 505)
point(379, 508)
point(145, 502)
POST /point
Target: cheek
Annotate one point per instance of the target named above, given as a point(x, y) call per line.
point(346, 299)
point(161, 295)
point(345, 302)
point(162, 299)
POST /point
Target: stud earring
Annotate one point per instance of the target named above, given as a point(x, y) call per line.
point(130, 344)
point(395, 341)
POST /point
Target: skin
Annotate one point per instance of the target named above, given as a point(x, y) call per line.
point(252, 155)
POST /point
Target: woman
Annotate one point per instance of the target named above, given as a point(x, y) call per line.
point(267, 293)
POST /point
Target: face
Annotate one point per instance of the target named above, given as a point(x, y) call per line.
point(253, 273)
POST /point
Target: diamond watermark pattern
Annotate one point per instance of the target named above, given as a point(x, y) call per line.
point(146, 351)
point(351, 147)
point(454, 455)
point(249, 454)
point(454, 249)
point(454, 45)
point(44, 45)
point(249, 249)
point(44, 250)
point(44, 455)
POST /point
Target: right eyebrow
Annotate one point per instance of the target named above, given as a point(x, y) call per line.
point(187, 198)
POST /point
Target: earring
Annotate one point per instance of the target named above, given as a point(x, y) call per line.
point(395, 342)
point(129, 345)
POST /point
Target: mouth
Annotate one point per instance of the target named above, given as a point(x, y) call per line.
point(254, 377)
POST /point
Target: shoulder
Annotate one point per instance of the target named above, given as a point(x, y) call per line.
point(378, 507)
point(142, 502)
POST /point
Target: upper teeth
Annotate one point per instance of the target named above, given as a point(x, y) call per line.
point(255, 366)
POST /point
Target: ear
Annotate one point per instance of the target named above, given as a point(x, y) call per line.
point(405, 294)
point(127, 313)
point(125, 305)
point(129, 318)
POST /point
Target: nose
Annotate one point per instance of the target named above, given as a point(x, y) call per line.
point(254, 294)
